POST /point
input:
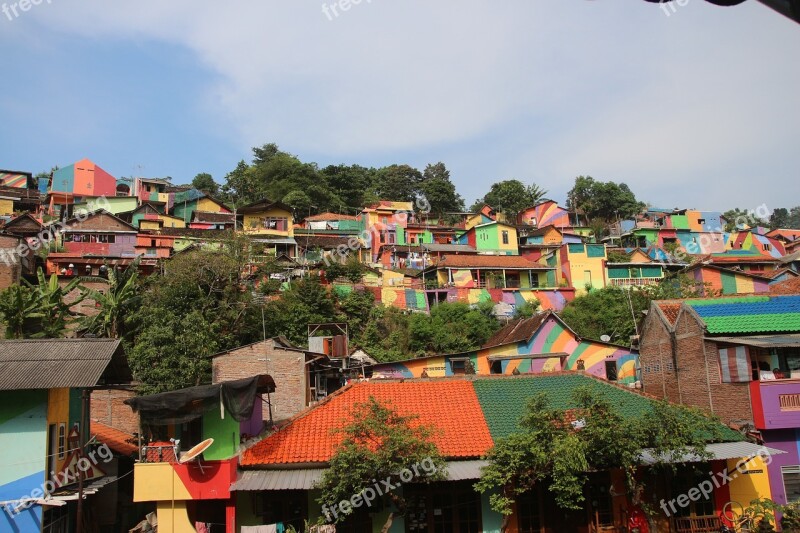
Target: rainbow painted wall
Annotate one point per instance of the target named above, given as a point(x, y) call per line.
point(552, 337)
point(418, 299)
point(731, 282)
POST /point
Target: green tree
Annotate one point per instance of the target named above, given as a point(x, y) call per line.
point(550, 450)
point(741, 219)
point(205, 182)
point(114, 302)
point(439, 190)
point(606, 201)
point(51, 303)
point(779, 218)
point(612, 310)
point(511, 197)
point(398, 183)
point(378, 444)
point(19, 308)
point(355, 185)
point(527, 309)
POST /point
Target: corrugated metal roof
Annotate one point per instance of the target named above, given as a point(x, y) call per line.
point(60, 363)
point(721, 451)
point(308, 478)
point(300, 479)
point(762, 341)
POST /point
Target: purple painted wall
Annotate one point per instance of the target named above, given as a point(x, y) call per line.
point(766, 404)
point(785, 440)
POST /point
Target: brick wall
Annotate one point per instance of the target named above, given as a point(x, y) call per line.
point(287, 368)
point(657, 360)
point(107, 408)
point(10, 264)
point(698, 380)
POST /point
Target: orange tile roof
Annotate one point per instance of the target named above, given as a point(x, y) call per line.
point(450, 407)
point(330, 216)
point(670, 310)
point(790, 286)
point(115, 439)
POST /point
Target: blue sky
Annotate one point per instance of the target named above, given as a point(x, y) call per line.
point(695, 109)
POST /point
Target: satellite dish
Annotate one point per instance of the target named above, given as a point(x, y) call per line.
point(196, 451)
point(605, 338)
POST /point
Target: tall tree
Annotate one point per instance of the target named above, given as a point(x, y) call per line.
point(205, 182)
point(378, 444)
point(355, 185)
point(439, 190)
point(399, 183)
point(741, 219)
point(549, 450)
point(511, 197)
point(606, 201)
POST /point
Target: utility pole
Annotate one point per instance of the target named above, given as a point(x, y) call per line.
point(81, 445)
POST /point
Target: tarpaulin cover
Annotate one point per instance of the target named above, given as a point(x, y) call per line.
point(184, 405)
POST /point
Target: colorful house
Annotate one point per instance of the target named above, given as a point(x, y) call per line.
point(331, 222)
point(191, 493)
point(277, 482)
point(581, 266)
point(541, 344)
point(492, 237)
point(99, 234)
point(83, 179)
point(638, 271)
point(184, 203)
point(43, 397)
point(150, 216)
point(16, 179)
point(384, 223)
point(549, 213)
point(489, 272)
point(113, 204)
point(728, 281)
point(737, 358)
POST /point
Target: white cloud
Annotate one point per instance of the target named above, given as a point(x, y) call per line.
point(576, 87)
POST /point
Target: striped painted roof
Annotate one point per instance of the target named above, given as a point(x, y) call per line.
point(749, 314)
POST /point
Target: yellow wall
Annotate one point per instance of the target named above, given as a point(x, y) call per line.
point(392, 279)
point(58, 413)
point(579, 264)
point(207, 204)
point(513, 241)
point(750, 486)
point(149, 224)
point(155, 482)
point(6, 207)
point(253, 222)
point(173, 517)
point(172, 222)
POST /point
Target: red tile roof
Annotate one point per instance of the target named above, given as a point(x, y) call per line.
point(790, 286)
point(330, 216)
point(115, 439)
point(488, 261)
point(451, 407)
point(670, 310)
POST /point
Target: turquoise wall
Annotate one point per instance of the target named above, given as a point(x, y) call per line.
point(23, 450)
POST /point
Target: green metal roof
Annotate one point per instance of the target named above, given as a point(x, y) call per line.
point(505, 401)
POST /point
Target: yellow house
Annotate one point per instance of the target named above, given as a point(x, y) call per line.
point(583, 266)
point(266, 217)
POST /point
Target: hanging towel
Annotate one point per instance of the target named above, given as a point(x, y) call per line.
point(272, 528)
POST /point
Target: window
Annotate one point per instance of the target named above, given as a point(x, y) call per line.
point(62, 440)
point(529, 505)
point(791, 482)
point(275, 223)
point(701, 221)
point(767, 247)
point(505, 237)
point(289, 507)
point(462, 365)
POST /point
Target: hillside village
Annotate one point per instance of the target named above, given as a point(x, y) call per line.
point(190, 358)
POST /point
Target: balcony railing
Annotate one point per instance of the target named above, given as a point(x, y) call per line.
point(634, 282)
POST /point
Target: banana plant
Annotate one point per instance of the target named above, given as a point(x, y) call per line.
point(20, 311)
point(122, 292)
point(50, 297)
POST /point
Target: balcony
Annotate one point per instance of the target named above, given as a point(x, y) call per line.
point(634, 282)
point(776, 403)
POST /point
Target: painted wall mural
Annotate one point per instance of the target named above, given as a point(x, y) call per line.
point(554, 344)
